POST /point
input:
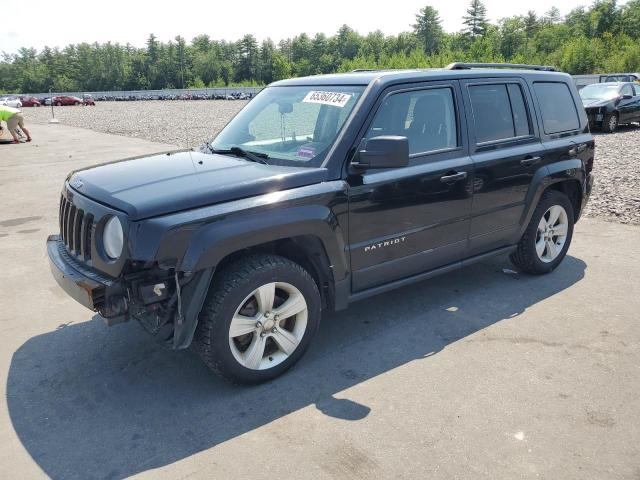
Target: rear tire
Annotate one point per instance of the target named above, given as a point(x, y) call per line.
point(610, 123)
point(240, 332)
point(546, 240)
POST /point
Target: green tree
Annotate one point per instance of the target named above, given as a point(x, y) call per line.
point(429, 30)
point(552, 16)
point(281, 67)
point(580, 55)
point(630, 19)
point(604, 17)
point(531, 24)
point(151, 63)
point(513, 36)
point(347, 42)
point(579, 22)
point(265, 65)
point(182, 62)
point(476, 19)
point(247, 57)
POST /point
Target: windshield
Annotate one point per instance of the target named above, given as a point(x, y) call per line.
point(600, 91)
point(290, 125)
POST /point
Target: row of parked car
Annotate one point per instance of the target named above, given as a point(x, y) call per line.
point(186, 96)
point(58, 100)
point(87, 99)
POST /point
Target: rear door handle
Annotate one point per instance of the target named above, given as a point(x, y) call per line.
point(454, 177)
point(527, 162)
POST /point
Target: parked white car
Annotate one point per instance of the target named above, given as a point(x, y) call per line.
point(11, 102)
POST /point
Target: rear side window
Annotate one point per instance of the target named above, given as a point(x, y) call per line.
point(557, 108)
point(499, 112)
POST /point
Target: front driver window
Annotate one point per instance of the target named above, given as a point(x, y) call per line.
point(627, 90)
point(426, 117)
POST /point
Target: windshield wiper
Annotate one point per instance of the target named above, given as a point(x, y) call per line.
point(257, 157)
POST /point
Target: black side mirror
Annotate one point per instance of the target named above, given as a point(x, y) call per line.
point(387, 151)
point(627, 97)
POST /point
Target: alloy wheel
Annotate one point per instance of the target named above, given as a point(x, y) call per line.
point(552, 233)
point(268, 326)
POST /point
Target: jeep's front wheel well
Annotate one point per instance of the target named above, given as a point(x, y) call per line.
point(305, 250)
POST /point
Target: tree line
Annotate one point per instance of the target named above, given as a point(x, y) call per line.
point(604, 37)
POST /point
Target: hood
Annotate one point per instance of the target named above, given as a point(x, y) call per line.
point(588, 103)
point(170, 182)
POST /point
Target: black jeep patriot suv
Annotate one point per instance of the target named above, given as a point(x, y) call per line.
point(322, 191)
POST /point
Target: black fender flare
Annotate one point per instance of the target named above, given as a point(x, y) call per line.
point(214, 241)
point(572, 169)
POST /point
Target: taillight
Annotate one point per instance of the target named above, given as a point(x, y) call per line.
point(588, 165)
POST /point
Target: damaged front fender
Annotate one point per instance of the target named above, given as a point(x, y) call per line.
point(190, 301)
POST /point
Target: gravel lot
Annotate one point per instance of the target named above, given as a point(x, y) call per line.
point(182, 123)
point(616, 196)
point(188, 123)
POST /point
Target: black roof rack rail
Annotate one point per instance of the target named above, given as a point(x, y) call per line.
point(468, 66)
point(367, 70)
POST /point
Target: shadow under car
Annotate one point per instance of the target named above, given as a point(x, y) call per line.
point(91, 402)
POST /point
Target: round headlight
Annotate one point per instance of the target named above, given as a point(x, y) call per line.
point(113, 238)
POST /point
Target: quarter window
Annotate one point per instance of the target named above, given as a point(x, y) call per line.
point(519, 110)
point(426, 117)
point(499, 112)
point(557, 108)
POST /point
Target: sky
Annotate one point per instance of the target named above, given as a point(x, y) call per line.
point(73, 21)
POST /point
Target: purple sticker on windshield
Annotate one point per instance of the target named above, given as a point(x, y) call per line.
point(306, 152)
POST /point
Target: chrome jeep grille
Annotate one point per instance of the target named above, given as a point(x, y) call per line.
point(75, 229)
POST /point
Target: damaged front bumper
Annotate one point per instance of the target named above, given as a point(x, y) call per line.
point(84, 286)
point(161, 302)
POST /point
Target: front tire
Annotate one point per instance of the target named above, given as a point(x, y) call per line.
point(610, 123)
point(259, 318)
point(547, 238)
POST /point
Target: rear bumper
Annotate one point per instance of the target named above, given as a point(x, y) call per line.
point(84, 286)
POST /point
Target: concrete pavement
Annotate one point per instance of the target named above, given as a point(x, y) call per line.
point(479, 373)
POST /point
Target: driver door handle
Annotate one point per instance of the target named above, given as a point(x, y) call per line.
point(454, 177)
point(527, 162)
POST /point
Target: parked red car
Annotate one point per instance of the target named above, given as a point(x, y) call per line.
point(88, 100)
point(30, 101)
point(61, 100)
